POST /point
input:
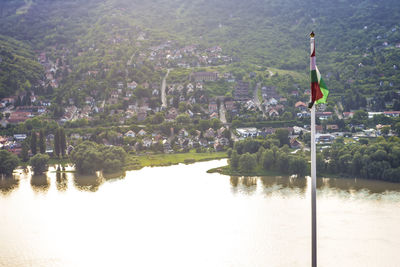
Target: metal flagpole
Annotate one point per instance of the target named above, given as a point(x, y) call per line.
point(313, 174)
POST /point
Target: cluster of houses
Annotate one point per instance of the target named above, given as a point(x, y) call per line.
point(168, 54)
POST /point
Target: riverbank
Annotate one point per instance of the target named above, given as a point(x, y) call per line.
point(134, 162)
point(226, 170)
point(153, 160)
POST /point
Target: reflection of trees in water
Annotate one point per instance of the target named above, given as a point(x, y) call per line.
point(87, 182)
point(278, 183)
point(114, 176)
point(40, 183)
point(61, 181)
point(8, 184)
point(358, 185)
point(270, 184)
point(243, 184)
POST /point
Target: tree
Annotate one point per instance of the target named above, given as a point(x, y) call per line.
point(283, 136)
point(234, 160)
point(42, 142)
point(33, 143)
point(87, 157)
point(9, 162)
point(24, 155)
point(247, 162)
point(39, 163)
point(63, 141)
point(57, 143)
point(298, 165)
point(268, 159)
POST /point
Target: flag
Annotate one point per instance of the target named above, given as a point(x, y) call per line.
point(319, 91)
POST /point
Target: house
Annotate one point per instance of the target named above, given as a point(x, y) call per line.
point(212, 107)
point(130, 133)
point(132, 85)
point(300, 105)
point(319, 128)
point(221, 131)
point(19, 116)
point(147, 142)
point(167, 146)
point(332, 127)
point(324, 115)
point(247, 132)
point(19, 137)
point(294, 143)
point(183, 133)
point(171, 114)
point(210, 133)
point(142, 132)
point(189, 87)
point(205, 76)
point(392, 113)
point(242, 91)
point(347, 115)
point(273, 113)
point(324, 138)
point(214, 115)
point(272, 101)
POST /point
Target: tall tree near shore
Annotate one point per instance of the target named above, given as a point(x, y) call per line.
point(63, 141)
point(57, 143)
point(33, 143)
point(42, 142)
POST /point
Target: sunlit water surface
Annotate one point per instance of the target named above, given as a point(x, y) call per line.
point(182, 216)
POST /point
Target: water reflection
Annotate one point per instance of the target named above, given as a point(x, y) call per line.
point(114, 176)
point(291, 185)
point(61, 181)
point(8, 184)
point(40, 183)
point(90, 183)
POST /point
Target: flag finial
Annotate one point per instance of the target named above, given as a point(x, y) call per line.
point(312, 34)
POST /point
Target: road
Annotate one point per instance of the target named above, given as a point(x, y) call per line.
point(163, 93)
point(222, 112)
point(256, 100)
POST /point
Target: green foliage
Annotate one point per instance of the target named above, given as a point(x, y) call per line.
point(247, 162)
point(89, 157)
point(33, 143)
point(39, 163)
point(373, 160)
point(8, 161)
point(19, 69)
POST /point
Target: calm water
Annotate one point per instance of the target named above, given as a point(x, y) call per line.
point(182, 216)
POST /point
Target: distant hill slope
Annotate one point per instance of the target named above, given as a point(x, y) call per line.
point(19, 68)
point(271, 33)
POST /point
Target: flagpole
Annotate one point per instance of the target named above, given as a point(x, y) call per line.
point(313, 176)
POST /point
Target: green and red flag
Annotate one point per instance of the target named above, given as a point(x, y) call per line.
point(319, 91)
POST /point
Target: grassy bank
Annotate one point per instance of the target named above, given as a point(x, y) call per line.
point(226, 170)
point(138, 162)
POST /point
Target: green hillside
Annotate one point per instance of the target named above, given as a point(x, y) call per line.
point(356, 39)
point(19, 69)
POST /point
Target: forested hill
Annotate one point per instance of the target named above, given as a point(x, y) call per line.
point(19, 68)
point(272, 33)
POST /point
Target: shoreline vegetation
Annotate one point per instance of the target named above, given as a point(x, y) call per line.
point(149, 160)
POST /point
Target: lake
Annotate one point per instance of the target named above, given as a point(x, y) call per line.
point(182, 216)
